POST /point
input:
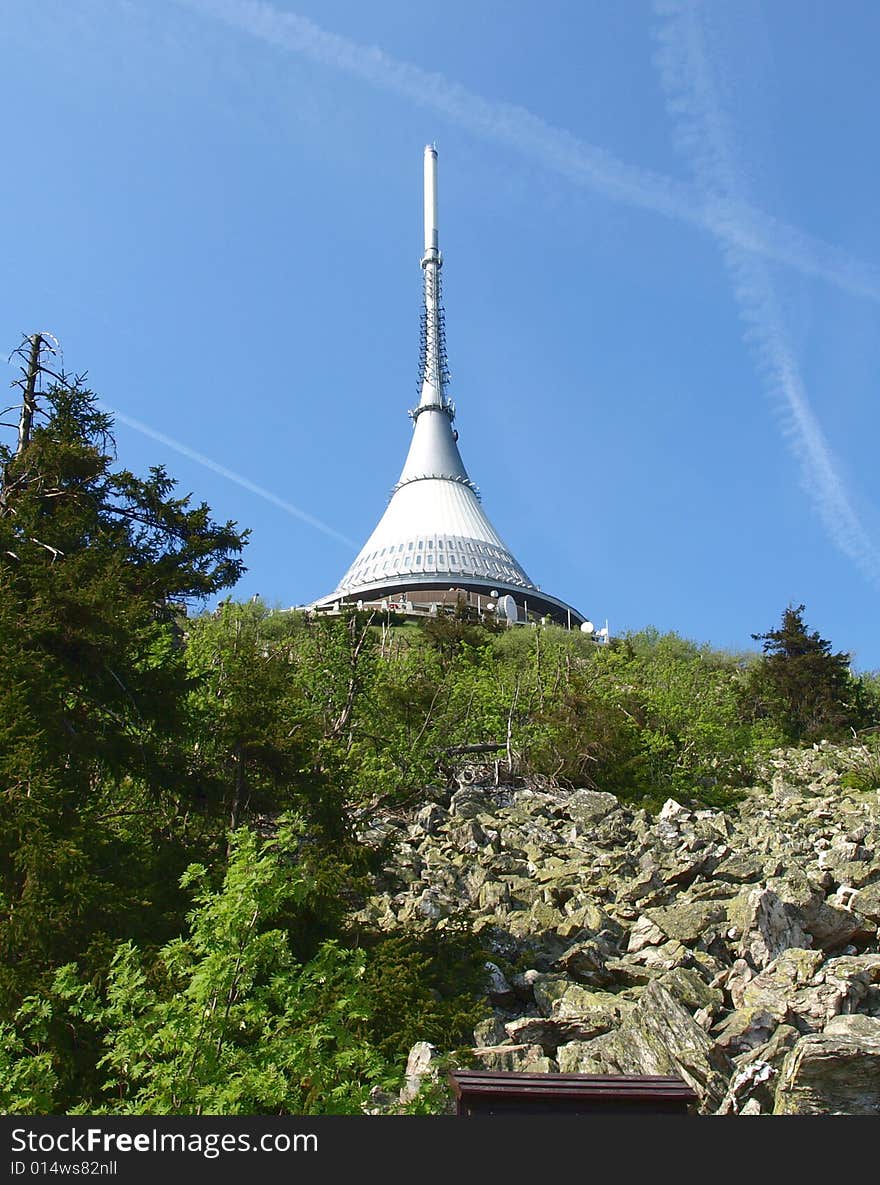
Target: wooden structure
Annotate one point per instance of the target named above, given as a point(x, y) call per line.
point(483, 1092)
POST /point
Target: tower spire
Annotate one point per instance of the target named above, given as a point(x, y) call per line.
point(433, 370)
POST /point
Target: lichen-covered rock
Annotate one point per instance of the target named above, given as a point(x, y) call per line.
point(744, 1030)
point(581, 1057)
point(774, 990)
point(833, 1073)
point(588, 807)
point(690, 922)
point(595, 1011)
point(660, 1037)
point(867, 902)
point(767, 927)
point(523, 1059)
point(691, 990)
point(584, 962)
point(551, 1032)
point(644, 933)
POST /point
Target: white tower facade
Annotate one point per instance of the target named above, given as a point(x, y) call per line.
point(434, 536)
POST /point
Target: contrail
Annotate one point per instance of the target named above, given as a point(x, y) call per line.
point(244, 482)
point(702, 135)
point(730, 219)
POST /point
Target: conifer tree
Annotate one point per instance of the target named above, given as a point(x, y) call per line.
point(803, 685)
point(96, 566)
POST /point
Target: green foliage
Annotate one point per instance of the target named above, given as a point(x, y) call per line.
point(864, 766)
point(223, 1021)
point(425, 984)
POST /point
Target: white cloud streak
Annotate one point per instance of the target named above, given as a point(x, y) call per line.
point(230, 475)
point(736, 222)
point(703, 136)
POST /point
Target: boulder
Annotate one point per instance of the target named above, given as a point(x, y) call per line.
point(551, 1032)
point(867, 902)
point(774, 989)
point(497, 988)
point(833, 1073)
point(690, 922)
point(660, 1037)
point(583, 1057)
point(644, 933)
point(596, 1010)
point(691, 990)
point(421, 1066)
point(585, 963)
point(767, 927)
point(744, 1030)
point(490, 1031)
point(588, 807)
point(522, 1059)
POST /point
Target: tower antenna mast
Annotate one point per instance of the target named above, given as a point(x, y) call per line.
point(433, 369)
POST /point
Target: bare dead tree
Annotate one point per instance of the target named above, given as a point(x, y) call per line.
point(28, 403)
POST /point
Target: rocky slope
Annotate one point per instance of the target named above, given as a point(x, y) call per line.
point(737, 950)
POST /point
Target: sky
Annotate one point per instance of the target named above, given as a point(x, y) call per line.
point(661, 279)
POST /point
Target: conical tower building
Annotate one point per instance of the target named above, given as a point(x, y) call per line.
point(435, 544)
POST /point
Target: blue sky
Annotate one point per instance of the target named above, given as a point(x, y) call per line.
point(662, 278)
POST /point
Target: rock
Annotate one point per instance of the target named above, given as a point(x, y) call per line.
point(773, 1051)
point(587, 807)
point(421, 1066)
point(867, 902)
point(469, 802)
point(767, 927)
point(551, 1032)
point(490, 1031)
point(690, 922)
point(832, 928)
point(628, 973)
point(691, 989)
point(741, 1088)
point(431, 818)
point(644, 933)
point(585, 963)
point(832, 1073)
point(744, 1030)
point(595, 1010)
point(497, 988)
point(660, 1037)
point(663, 958)
point(492, 895)
point(524, 1059)
point(799, 988)
point(738, 868)
point(856, 1026)
point(582, 1057)
point(775, 988)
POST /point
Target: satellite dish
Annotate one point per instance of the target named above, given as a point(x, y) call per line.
point(507, 607)
point(587, 627)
